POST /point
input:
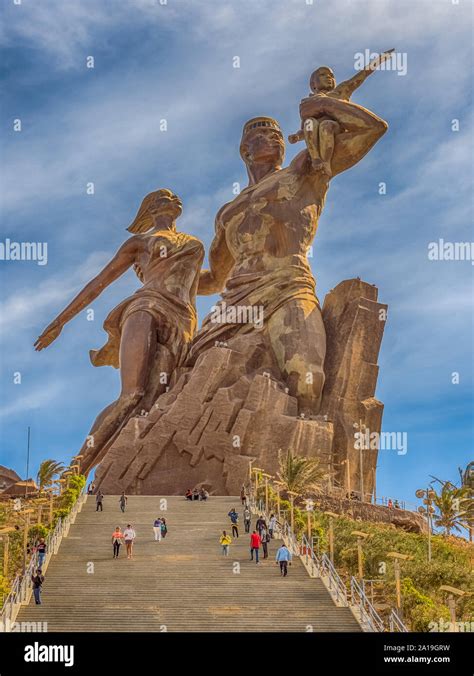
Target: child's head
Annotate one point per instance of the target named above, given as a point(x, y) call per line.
point(322, 80)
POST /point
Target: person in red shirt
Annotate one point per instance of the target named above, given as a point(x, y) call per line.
point(255, 542)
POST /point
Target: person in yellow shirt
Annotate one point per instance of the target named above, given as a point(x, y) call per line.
point(225, 541)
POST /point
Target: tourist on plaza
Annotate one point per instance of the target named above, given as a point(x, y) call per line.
point(225, 541)
point(243, 497)
point(203, 494)
point(129, 536)
point(260, 523)
point(164, 528)
point(396, 504)
point(390, 503)
point(37, 582)
point(123, 502)
point(272, 525)
point(283, 557)
point(247, 519)
point(234, 519)
point(265, 539)
point(41, 551)
point(98, 501)
point(254, 545)
point(91, 488)
point(195, 494)
point(189, 494)
point(157, 528)
point(117, 537)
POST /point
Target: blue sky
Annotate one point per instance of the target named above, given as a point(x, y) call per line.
point(175, 62)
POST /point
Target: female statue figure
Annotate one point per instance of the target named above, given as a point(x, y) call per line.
point(148, 333)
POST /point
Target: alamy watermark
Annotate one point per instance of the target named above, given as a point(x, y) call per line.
point(383, 441)
point(24, 251)
point(451, 251)
point(398, 61)
point(23, 627)
point(237, 314)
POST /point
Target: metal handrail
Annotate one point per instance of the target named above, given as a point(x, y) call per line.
point(368, 615)
point(336, 585)
point(396, 623)
point(21, 589)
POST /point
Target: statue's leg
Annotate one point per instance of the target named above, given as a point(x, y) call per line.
point(298, 338)
point(311, 135)
point(137, 350)
point(327, 132)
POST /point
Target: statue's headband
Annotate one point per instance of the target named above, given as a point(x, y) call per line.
point(261, 122)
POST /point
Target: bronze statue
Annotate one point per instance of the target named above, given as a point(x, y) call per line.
point(320, 133)
point(149, 332)
point(258, 256)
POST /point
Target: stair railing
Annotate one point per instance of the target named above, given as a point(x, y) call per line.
point(322, 566)
point(395, 623)
point(369, 617)
point(21, 589)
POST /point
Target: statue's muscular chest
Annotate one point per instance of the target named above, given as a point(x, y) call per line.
point(272, 216)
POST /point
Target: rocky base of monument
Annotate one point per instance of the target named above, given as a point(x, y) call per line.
point(232, 406)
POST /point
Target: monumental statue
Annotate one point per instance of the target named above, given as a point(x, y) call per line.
point(269, 368)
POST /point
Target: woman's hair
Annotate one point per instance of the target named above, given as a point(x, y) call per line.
point(143, 221)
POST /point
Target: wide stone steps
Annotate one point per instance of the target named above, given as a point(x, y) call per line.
point(182, 583)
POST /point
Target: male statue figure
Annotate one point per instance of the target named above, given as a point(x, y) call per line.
point(259, 253)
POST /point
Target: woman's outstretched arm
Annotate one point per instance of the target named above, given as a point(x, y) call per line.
point(123, 259)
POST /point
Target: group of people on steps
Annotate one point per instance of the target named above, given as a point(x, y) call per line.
point(260, 536)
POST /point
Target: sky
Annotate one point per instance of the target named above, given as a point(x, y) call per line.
point(175, 61)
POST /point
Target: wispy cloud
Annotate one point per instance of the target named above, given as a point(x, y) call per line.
point(22, 309)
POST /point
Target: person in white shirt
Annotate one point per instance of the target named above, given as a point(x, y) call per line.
point(129, 536)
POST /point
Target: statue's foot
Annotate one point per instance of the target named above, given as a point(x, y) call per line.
point(293, 138)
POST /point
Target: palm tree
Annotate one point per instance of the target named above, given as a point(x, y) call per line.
point(46, 473)
point(452, 504)
point(300, 474)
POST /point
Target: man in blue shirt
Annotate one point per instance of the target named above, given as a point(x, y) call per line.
point(283, 557)
point(234, 519)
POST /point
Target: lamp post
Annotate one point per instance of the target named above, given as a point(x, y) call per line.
point(51, 497)
point(77, 460)
point(309, 510)
point(348, 475)
point(360, 426)
point(397, 557)
point(361, 536)
point(250, 469)
point(266, 477)
point(26, 514)
point(331, 516)
point(60, 483)
point(292, 495)
point(451, 602)
point(427, 495)
point(6, 546)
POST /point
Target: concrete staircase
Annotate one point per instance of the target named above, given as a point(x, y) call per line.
point(180, 584)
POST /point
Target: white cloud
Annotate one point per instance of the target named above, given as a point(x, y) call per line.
point(36, 399)
point(22, 308)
